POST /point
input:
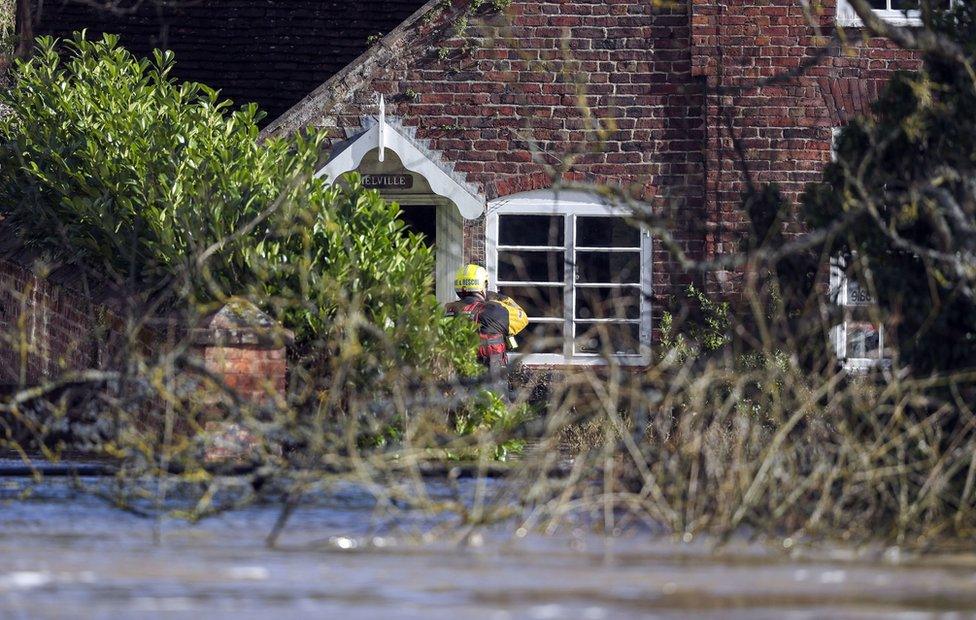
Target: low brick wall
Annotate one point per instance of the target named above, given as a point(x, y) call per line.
point(46, 329)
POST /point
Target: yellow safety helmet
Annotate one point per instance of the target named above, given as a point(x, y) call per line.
point(471, 279)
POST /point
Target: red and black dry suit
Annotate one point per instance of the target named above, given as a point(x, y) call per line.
point(492, 320)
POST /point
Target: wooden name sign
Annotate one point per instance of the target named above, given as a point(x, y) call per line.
point(387, 181)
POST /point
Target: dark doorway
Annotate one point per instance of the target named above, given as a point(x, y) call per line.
point(421, 219)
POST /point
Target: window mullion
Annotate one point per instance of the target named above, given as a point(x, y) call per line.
point(569, 292)
point(646, 291)
point(491, 255)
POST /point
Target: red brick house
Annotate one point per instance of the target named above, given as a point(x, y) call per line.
point(488, 124)
point(673, 106)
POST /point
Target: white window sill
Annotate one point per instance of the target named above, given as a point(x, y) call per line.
point(552, 359)
point(862, 364)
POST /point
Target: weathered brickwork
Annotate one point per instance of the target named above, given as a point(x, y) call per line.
point(696, 101)
point(49, 328)
point(783, 129)
point(474, 242)
point(245, 348)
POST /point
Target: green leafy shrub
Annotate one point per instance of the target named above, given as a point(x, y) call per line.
point(489, 413)
point(704, 326)
point(164, 191)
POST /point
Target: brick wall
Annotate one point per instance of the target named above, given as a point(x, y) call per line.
point(45, 329)
point(48, 329)
point(783, 129)
point(679, 89)
point(245, 348)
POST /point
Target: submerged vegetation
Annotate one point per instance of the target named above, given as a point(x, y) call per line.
point(745, 423)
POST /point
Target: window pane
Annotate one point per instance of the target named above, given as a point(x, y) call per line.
point(608, 267)
point(537, 230)
point(531, 266)
point(863, 340)
point(608, 303)
point(879, 4)
point(537, 301)
point(541, 338)
point(606, 232)
point(608, 339)
point(905, 5)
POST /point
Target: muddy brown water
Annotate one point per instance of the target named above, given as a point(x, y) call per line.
point(65, 555)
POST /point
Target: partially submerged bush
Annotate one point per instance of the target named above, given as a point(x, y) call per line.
point(773, 451)
point(496, 420)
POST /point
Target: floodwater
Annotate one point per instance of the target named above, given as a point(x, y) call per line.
point(64, 555)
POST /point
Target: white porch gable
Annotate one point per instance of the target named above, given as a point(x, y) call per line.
point(382, 134)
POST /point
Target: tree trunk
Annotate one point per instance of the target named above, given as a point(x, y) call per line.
point(8, 38)
point(23, 26)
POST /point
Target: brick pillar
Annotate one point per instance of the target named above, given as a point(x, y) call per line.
point(246, 349)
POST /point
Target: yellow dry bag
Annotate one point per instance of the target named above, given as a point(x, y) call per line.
point(517, 319)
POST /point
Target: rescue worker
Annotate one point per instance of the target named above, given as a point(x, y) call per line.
point(475, 302)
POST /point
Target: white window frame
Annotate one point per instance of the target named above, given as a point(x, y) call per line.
point(846, 16)
point(570, 205)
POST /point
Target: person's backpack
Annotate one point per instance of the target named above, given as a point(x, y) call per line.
point(517, 319)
